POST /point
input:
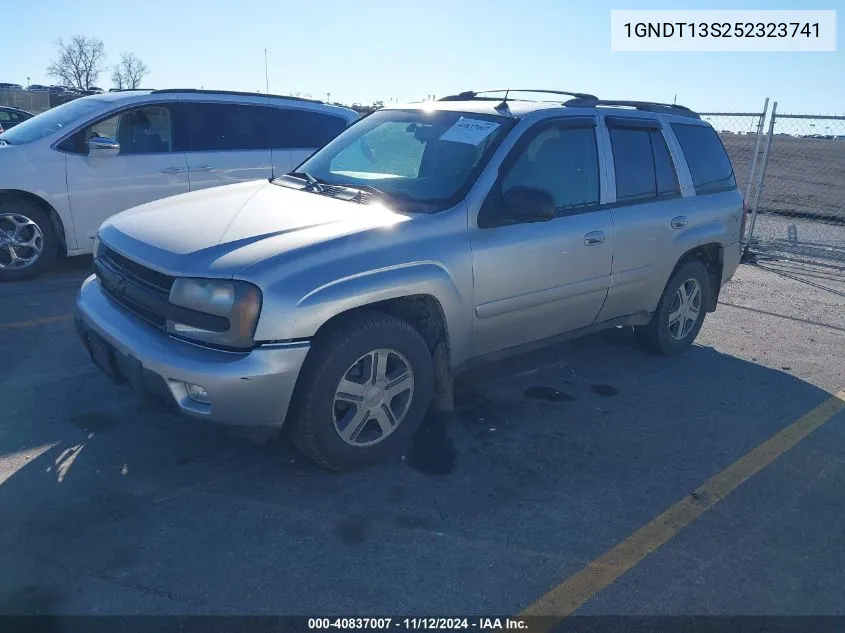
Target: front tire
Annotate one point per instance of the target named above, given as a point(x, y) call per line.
point(680, 312)
point(363, 392)
point(28, 242)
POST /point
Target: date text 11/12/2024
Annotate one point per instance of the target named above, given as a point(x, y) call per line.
point(421, 623)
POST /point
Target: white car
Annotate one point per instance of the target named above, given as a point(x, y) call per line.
point(63, 172)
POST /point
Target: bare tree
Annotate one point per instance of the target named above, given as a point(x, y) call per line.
point(79, 62)
point(129, 72)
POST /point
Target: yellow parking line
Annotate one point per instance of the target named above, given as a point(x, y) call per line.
point(564, 599)
point(33, 322)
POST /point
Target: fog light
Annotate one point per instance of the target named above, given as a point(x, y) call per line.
point(197, 393)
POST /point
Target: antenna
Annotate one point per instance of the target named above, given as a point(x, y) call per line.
point(504, 104)
point(269, 142)
point(266, 75)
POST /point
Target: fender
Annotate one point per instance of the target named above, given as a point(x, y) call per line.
point(712, 232)
point(358, 290)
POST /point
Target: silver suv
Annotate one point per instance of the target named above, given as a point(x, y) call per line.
point(342, 298)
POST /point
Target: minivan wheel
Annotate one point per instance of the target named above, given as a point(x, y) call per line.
point(681, 311)
point(28, 243)
point(362, 393)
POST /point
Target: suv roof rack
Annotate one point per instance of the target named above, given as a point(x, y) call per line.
point(650, 106)
point(233, 92)
point(469, 95)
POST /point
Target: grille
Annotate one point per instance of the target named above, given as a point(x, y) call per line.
point(140, 290)
point(138, 274)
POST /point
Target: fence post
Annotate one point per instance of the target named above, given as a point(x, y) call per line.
point(759, 189)
point(753, 165)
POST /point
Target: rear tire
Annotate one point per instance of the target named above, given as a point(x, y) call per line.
point(680, 312)
point(28, 243)
point(348, 412)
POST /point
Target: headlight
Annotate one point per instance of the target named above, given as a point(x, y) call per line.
point(96, 249)
point(237, 302)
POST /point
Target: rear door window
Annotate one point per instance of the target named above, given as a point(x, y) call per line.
point(225, 127)
point(642, 162)
point(706, 157)
point(664, 168)
point(295, 128)
point(633, 163)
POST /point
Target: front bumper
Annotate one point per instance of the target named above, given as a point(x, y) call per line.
point(251, 389)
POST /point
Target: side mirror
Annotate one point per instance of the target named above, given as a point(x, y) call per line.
point(100, 147)
point(528, 204)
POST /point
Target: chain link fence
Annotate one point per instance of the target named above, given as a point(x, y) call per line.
point(741, 134)
point(801, 210)
point(31, 101)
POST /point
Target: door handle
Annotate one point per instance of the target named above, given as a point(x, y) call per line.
point(171, 170)
point(593, 238)
point(679, 222)
point(203, 168)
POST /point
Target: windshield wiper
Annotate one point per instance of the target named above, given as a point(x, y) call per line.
point(370, 189)
point(313, 183)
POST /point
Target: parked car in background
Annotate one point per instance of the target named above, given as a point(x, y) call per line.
point(340, 299)
point(63, 172)
point(38, 88)
point(10, 117)
point(10, 87)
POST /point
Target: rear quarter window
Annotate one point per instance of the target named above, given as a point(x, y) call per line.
point(708, 162)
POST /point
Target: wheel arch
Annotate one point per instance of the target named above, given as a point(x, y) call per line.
point(712, 255)
point(41, 203)
point(425, 313)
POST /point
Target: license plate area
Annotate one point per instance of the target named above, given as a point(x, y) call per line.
point(104, 357)
point(119, 368)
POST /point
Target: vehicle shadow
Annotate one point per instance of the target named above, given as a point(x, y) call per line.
point(561, 452)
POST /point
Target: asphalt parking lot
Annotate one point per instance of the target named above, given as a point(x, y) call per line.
point(551, 460)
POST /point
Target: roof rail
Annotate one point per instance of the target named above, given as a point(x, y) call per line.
point(650, 106)
point(469, 95)
point(232, 92)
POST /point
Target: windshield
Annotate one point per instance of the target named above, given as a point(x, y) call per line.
point(46, 123)
point(421, 160)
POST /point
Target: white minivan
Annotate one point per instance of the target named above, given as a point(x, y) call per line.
point(63, 172)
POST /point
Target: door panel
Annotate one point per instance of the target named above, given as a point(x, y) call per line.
point(145, 169)
point(213, 169)
point(645, 252)
point(648, 216)
point(535, 279)
point(227, 143)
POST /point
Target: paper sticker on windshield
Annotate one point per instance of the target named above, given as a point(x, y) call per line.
point(470, 131)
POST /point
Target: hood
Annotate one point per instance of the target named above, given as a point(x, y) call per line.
point(219, 231)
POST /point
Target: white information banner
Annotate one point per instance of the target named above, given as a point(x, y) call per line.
point(723, 30)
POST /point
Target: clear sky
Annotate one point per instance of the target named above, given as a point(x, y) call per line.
point(395, 49)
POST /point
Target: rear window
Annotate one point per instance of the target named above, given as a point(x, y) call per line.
point(707, 159)
point(293, 128)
